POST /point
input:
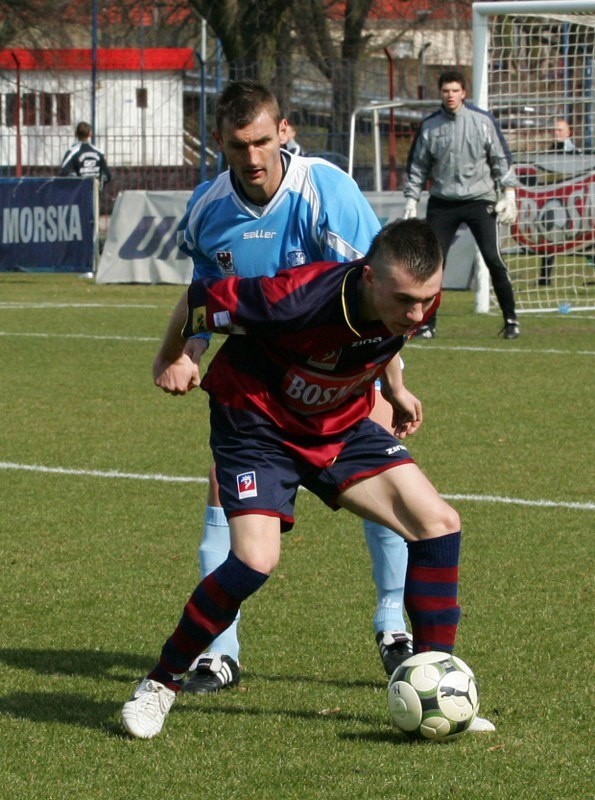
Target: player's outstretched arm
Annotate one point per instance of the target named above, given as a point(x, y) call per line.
point(174, 370)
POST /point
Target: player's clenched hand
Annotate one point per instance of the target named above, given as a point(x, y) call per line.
point(176, 377)
point(407, 413)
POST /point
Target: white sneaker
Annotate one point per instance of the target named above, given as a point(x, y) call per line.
point(144, 714)
point(481, 725)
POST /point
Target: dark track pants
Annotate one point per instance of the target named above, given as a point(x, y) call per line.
point(446, 216)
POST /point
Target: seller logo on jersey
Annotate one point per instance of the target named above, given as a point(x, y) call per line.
point(225, 262)
point(247, 485)
point(296, 258)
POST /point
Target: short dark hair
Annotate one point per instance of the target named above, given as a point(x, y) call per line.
point(241, 102)
point(411, 243)
point(452, 76)
point(83, 130)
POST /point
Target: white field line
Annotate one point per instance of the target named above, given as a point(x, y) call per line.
point(22, 304)
point(141, 476)
point(453, 348)
point(509, 350)
point(17, 305)
point(93, 336)
point(96, 473)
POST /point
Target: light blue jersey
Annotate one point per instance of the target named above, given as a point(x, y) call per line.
point(317, 214)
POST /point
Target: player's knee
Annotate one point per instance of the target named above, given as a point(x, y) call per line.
point(265, 563)
point(451, 521)
point(447, 520)
point(440, 520)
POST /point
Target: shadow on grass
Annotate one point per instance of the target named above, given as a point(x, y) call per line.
point(292, 677)
point(311, 714)
point(92, 663)
point(392, 736)
point(89, 712)
point(68, 709)
point(86, 712)
point(127, 667)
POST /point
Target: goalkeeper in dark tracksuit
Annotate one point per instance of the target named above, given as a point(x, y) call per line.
point(461, 150)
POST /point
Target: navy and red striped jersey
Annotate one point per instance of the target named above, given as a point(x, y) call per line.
point(297, 354)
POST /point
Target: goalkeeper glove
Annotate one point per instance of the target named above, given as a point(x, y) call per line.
point(410, 208)
point(506, 208)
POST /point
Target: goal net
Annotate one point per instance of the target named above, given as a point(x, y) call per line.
point(533, 69)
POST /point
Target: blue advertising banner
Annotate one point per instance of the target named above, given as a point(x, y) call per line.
point(47, 224)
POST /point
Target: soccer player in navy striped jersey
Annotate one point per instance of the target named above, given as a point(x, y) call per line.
point(291, 391)
point(271, 210)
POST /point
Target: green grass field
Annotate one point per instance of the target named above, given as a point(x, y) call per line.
point(98, 545)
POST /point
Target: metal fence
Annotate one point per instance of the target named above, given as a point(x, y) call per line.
point(154, 125)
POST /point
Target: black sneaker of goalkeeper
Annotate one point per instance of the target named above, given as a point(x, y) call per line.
point(511, 329)
point(425, 332)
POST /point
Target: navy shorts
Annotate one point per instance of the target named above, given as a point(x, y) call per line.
point(259, 474)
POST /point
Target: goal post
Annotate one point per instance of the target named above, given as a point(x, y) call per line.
point(533, 69)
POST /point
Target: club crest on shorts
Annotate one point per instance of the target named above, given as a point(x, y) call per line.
point(247, 485)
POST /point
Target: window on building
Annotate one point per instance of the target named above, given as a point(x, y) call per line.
point(45, 108)
point(54, 109)
point(29, 111)
point(11, 110)
point(142, 98)
point(63, 116)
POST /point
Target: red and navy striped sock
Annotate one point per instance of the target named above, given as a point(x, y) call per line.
point(431, 589)
point(209, 611)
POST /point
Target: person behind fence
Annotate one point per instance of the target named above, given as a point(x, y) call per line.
point(273, 210)
point(562, 143)
point(84, 159)
point(461, 150)
point(291, 143)
point(290, 394)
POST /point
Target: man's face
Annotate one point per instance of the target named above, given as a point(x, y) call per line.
point(254, 154)
point(453, 96)
point(561, 130)
point(398, 299)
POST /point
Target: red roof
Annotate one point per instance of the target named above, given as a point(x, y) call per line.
point(408, 10)
point(120, 59)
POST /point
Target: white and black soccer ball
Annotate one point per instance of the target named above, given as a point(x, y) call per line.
point(433, 695)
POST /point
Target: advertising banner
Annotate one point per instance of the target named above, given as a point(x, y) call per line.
point(47, 224)
point(556, 208)
point(141, 243)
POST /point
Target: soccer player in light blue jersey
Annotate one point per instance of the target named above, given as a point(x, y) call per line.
point(269, 211)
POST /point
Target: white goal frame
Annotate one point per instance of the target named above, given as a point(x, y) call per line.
point(548, 215)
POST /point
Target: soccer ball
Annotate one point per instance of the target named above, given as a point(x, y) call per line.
point(433, 696)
